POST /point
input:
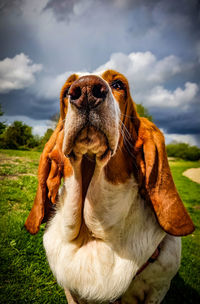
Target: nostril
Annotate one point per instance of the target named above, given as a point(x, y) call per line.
point(99, 91)
point(75, 93)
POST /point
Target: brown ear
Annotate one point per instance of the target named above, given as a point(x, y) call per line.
point(49, 178)
point(158, 182)
point(53, 165)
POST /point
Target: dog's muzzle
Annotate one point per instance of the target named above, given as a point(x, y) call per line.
point(92, 116)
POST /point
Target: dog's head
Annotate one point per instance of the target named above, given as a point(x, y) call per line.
point(95, 104)
point(98, 118)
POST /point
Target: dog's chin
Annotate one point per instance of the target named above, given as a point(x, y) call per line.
point(88, 141)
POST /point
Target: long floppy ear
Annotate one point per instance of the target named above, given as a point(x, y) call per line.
point(52, 167)
point(47, 171)
point(158, 182)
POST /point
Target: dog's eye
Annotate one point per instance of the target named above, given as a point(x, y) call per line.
point(117, 85)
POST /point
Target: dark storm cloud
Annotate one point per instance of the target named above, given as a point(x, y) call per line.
point(178, 121)
point(16, 34)
point(24, 103)
point(158, 26)
point(179, 12)
point(61, 8)
point(7, 5)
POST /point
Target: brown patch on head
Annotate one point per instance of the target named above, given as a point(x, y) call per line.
point(121, 92)
point(64, 95)
point(129, 124)
point(119, 86)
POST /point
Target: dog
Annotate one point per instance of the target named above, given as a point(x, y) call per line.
point(113, 229)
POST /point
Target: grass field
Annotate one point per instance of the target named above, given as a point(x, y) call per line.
point(25, 275)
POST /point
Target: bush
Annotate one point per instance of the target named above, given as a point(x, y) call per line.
point(184, 151)
point(18, 136)
point(2, 127)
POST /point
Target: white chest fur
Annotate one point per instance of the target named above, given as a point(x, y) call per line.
point(124, 233)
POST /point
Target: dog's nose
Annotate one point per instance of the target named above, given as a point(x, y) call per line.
point(88, 92)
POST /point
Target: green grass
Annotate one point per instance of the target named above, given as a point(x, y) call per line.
point(185, 287)
point(25, 274)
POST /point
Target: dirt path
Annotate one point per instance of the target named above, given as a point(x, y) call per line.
point(12, 167)
point(193, 174)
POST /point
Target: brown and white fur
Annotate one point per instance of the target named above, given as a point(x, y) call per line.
point(118, 202)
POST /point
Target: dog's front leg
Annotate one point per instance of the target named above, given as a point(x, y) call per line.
point(72, 212)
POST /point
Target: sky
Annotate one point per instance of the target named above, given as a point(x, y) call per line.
point(154, 43)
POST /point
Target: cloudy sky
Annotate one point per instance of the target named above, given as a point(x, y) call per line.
point(155, 43)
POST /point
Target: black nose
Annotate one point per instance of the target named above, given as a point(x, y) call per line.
point(88, 92)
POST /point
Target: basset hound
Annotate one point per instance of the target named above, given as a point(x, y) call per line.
point(118, 209)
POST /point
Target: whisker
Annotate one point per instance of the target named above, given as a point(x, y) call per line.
point(125, 130)
point(127, 143)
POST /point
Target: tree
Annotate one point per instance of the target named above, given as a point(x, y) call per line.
point(184, 151)
point(44, 139)
point(18, 136)
point(143, 112)
point(1, 113)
